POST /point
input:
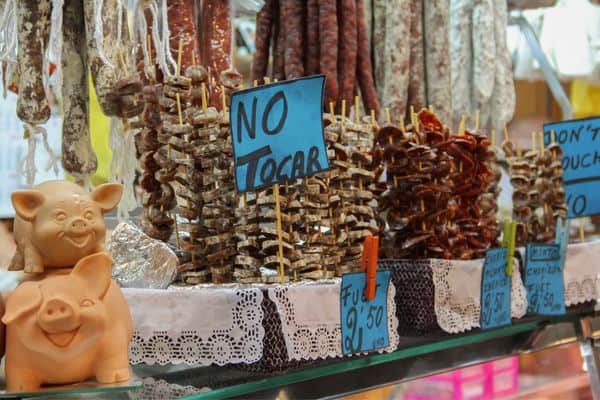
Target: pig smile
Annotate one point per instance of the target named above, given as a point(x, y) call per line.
point(79, 241)
point(62, 339)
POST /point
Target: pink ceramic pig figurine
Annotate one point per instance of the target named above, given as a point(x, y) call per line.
point(66, 328)
point(59, 222)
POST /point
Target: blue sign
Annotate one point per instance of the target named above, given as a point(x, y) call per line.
point(364, 323)
point(562, 239)
point(580, 142)
point(544, 279)
point(495, 290)
point(277, 133)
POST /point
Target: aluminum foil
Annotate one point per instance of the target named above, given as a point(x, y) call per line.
point(140, 261)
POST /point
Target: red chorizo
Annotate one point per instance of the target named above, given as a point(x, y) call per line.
point(328, 38)
point(347, 49)
point(364, 69)
point(293, 15)
point(311, 61)
point(182, 26)
point(264, 25)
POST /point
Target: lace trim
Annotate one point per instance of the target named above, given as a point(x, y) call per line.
point(309, 338)
point(582, 273)
point(161, 389)
point(458, 294)
point(240, 340)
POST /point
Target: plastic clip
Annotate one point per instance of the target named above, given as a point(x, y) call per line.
point(368, 264)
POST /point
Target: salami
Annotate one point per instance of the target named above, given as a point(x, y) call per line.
point(104, 75)
point(264, 26)
point(437, 57)
point(503, 98)
point(216, 15)
point(416, 85)
point(278, 46)
point(293, 15)
point(33, 24)
point(311, 62)
point(347, 49)
point(379, 42)
point(461, 55)
point(78, 157)
point(182, 26)
point(397, 57)
point(328, 38)
point(364, 70)
point(484, 55)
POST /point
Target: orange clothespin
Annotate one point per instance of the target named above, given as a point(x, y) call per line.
point(368, 264)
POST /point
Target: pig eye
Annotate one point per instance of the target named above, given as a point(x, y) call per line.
point(60, 216)
point(88, 215)
point(87, 303)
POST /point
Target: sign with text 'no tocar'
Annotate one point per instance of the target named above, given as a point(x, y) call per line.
point(580, 142)
point(277, 133)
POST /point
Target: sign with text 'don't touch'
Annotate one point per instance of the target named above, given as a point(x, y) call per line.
point(580, 142)
point(277, 133)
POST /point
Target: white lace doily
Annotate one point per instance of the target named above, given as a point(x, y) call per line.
point(159, 389)
point(458, 294)
point(196, 327)
point(582, 273)
point(310, 319)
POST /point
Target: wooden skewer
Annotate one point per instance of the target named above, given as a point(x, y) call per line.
point(179, 54)
point(431, 110)
point(356, 110)
point(477, 115)
point(461, 126)
point(581, 230)
point(542, 146)
point(533, 135)
point(279, 233)
point(493, 139)
point(388, 118)
point(223, 99)
point(204, 101)
point(373, 121)
point(149, 47)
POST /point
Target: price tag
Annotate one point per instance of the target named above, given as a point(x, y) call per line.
point(277, 133)
point(580, 142)
point(364, 323)
point(495, 290)
point(544, 279)
point(562, 239)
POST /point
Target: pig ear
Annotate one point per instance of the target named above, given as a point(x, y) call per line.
point(27, 203)
point(95, 270)
point(107, 195)
point(24, 298)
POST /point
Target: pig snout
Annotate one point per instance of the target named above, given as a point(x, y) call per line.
point(58, 315)
point(79, 226)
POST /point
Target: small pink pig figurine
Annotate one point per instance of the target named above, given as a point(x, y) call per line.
point(66, 328)
point(59, 222)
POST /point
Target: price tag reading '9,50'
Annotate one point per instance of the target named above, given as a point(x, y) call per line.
point(364, 323)
point(544, 279)
point(495, 290)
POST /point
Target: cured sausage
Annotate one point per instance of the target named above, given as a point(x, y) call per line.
point(293, 19)
point(484, 55)
point(328, 38)
point(397, 57)
point(416, 85)
point(461, 55)
point(378, 41)
point(503, 98)
point(437, 57)
point(278, 46)
point(347, 49)
point(182, 27)
point(264, 26)
point(311, 62)
point(216, 16)
point(78, 157)
point(33, 24)
point(103, 67)
point(364, 71)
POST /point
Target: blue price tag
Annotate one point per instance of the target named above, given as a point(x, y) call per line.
point(544, 279)
point(277, 133)
point(495, 290)
point(580, 142)
point(364, 323)
point(562, 239)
